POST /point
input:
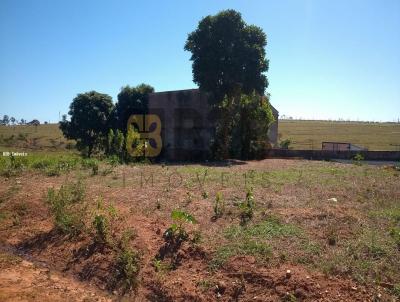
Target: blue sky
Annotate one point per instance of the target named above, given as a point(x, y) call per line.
point(328, 59)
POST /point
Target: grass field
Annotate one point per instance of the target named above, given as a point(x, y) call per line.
point(311, 134)
point(304, 134)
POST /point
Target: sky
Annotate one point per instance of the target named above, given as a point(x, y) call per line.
point(328, 59)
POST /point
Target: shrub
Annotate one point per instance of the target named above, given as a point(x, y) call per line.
point(12, 166)
point(101, 225)
point(285, 144)
point(66, 208)
point(176, 232)
point(358, 158)
point(247, 207)
point(127, 269)
point(91, 163)
point(219, 205)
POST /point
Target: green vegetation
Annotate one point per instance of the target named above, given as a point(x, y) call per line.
point(127, 269)
point(90, 113)
point(219, 205)
point(255, 240)
point(50, 164)
point(67, 208)
point(270, 228)
point(243, 116)
point(177, 233)
point(247, 207)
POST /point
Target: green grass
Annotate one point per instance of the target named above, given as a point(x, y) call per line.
point(311, 134)
point(268, 229)
point(256, 240)
point(49, 164)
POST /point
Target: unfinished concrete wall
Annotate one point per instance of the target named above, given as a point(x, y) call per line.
point(186, 126)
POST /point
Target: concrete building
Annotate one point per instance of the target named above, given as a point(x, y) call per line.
point(186, 123)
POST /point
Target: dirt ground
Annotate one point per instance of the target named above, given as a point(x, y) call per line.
point(320, 231)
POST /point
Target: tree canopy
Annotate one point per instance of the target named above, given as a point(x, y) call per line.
point(228, 55)
point(90, 114)
point(131, 100)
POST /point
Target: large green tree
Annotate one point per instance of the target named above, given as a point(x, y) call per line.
point(228, 56)
point(131, 100)
point(90, 114)
point(229, 64)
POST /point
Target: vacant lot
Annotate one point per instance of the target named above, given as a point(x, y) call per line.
point(271, 230)
point(311, 134)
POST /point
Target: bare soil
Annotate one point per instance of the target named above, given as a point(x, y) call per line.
point(39, 263)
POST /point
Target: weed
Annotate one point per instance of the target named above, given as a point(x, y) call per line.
point(103, 222)
point(176, 232)
point(204, 194)
point(332, 235)
point(247, 207)
point(358, 158)
point(91, 163)
point(256, 248)
point(396, 290)
point(252, 240)
point(12, 166)
point(160, 266)
point(289, 298)
point(189, 198)
point(127, 236)
point(395, 234)
point(101, 225)
point(64, 205)
point(219, 205)
point(127, 269)
point(197, 237)
point(205, 284)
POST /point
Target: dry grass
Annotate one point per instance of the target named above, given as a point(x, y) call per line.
point(295, 223)
point(311, 134)
point(23, 137)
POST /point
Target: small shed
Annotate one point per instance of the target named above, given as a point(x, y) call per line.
point(339, 146)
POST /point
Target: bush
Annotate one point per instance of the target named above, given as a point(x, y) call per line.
point(101, 225)
point(66, 208)
point(91, 163)
point(176, 232)
point(285, 144)
point(358, 158)
point(127, 269)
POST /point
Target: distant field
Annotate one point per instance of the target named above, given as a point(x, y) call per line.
point(304, 134)
point(43, 137)
point(310, 134)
